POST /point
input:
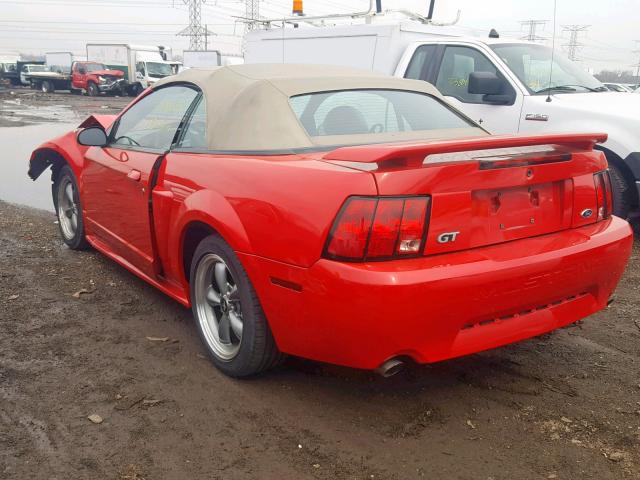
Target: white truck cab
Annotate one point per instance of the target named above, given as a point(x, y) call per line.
point(507, 86)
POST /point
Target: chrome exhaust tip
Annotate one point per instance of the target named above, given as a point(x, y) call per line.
point(390, 368)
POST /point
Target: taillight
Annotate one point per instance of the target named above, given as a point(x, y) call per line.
point(604, 195)
point(378, 228)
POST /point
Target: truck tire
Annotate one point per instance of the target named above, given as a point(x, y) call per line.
point(47, 86)
point(75, 91)
point(621, 192)
point(135, 90)
point(92, 89)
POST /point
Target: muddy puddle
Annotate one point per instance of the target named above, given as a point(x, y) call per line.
point(16, 145)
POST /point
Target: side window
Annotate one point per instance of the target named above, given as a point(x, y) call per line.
point(457, 64)
point(195, 135)
point(152, 122)
point(418, 64)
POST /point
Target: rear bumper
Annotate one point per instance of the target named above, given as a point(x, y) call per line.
point(441, 306)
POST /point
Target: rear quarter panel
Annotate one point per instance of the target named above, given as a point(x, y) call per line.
point(280, 207)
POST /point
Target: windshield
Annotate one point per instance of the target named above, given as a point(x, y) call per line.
point(161, 70)
point(93, 67)
point(532, 65)
point(357, 112)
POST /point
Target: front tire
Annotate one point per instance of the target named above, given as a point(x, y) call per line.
point(227, 312)
point(92, 89)
point(66, 200)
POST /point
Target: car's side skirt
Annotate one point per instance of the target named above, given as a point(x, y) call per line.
point(174, 291)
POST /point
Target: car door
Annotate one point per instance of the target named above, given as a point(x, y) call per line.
point(452, 80)
point(79, 78)
point(116, 178)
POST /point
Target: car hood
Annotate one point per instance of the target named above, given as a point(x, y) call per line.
point(611, 104)
point(112, 73)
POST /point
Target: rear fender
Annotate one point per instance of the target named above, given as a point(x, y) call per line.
point(209, 208)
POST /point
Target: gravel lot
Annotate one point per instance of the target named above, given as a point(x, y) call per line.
point(80, 336)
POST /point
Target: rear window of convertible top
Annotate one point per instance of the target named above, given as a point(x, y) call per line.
point(370, 111)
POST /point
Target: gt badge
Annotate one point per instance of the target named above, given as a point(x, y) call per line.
point(447, 237)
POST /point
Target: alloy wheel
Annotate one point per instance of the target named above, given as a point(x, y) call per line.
point(217, 301)
point(67, 209)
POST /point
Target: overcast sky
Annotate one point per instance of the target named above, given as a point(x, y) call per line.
point(38, 26)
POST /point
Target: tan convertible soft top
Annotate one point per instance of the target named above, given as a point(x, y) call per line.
point(248, 108)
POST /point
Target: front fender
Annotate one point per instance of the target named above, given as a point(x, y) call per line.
point(61, 149)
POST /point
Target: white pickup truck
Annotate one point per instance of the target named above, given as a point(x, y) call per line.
point(502, 84)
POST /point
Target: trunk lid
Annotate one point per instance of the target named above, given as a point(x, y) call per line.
point(489, 190)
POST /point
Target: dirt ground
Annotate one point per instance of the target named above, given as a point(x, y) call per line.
point(80, 336)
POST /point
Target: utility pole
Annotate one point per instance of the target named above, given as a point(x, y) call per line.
point(195, 30)
point(573, 46)
point(533, 25)
point(252, 12)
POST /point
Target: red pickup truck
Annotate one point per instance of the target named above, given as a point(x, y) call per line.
point(91, 77)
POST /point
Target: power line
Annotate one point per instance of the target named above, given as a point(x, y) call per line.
point(573, 46)
point(533, 25)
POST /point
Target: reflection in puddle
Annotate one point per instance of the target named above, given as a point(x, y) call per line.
point(16, 145)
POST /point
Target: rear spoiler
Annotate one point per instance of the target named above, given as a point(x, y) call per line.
point(414, 154)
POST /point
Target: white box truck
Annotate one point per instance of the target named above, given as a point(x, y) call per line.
point(142, 65)
point(201, 59)
point(506, 85)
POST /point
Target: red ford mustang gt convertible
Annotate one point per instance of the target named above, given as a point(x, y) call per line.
point(339, 216)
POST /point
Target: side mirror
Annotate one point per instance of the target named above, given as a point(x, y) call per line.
point(92, 137)
point(494, 89)
point(486, 83)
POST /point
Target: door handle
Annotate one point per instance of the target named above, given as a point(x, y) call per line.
point(134, 175)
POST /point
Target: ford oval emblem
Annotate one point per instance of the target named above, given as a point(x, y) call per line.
point(586, 213)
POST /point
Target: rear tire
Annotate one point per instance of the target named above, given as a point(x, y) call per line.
point(92, 89)
point(220, 287)
point(66, 200)
point(75, 91)
point(621, 192)
point(47, 86)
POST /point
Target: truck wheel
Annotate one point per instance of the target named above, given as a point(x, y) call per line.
point(92, 89)
point(621, 192)
point(135, 90)
point(74, 91)
point(47, 86)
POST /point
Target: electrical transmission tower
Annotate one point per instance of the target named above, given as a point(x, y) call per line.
point(195, 30)
point(573, 46)
point(533, 25)
point(637, 65)
point(252, 12)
